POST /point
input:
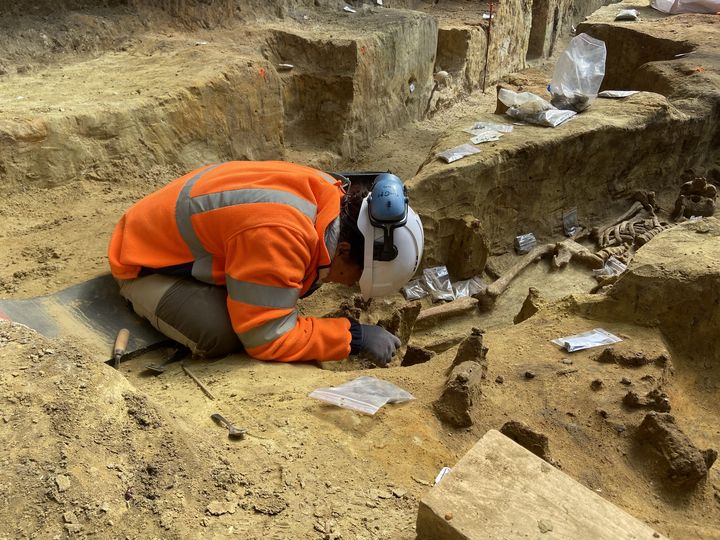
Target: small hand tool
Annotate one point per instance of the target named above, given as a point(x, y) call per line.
point(121, 343)
point(204, 388)
point(157, 369)
point(233, 432)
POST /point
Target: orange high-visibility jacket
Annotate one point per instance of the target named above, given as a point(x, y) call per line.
point(262, 229)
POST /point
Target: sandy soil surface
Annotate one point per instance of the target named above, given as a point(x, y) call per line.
point(90, 451)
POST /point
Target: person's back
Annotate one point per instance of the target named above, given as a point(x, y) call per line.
point(217, 203)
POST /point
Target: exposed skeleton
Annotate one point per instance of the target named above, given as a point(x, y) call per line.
point(697, 198)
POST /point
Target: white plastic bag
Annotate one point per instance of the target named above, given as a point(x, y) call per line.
point(486, 135)
point(364, 394)
point(587, 340)
point(459, 152)
point(478, 127)
point(578, 73)
point(532, 108)
point(686, 6)
point(627, 15)
point(570, 221)
point(617, 94)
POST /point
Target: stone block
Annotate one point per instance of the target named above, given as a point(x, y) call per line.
point(501, 490)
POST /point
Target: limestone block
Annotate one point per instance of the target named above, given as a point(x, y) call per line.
point(501, 490)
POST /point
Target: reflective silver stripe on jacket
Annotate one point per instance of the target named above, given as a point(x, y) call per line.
point(202, 267)
point(332, 233)
point(222, 199)
point(187, 206)
point(269, 331)
point(261, 295)
point(329, 178)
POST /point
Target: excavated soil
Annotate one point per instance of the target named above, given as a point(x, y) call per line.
point(90, 451)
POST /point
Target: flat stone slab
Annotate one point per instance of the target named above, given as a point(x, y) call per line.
point(501, 490)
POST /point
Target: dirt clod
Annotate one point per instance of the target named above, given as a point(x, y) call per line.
point(683, 464)
point(416, 355)
point(654, 399)
point(631, 358)
point(402, 321)
point(529, 374)
point(462, 390)
point(532, 304)
point(463, 386)
point(62, 482)
point(143, 413)
point(596, 384)
point(471, 349)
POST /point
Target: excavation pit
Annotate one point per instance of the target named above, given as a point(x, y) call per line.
point(150, 91)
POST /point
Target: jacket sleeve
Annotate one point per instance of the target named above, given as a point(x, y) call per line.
point(264, 272)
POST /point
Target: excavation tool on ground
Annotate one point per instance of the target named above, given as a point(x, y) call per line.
point(121, 343)
point(178, 354)
point(233, 432)
point(204, 388)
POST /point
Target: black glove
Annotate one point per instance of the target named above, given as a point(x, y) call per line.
point(374, 340)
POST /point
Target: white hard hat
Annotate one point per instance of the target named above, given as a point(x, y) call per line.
point(394, 247)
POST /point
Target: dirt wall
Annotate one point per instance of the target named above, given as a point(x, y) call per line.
point(597, 160)
point(524, 182)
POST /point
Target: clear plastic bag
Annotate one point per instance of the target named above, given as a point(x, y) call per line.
point(686, 6)
point(479, 127)
point(524, 243)
point(617, 94)
point(612, 267)
point(459, 152)
point(468, 287)
point(578, 74)
point(570, 221)
point(531, 108)
point(627, 15)
point(364, 394)
point(526, 102)
point(587, 340)
point(437, 281)
point(414, 290)
point(486, 135)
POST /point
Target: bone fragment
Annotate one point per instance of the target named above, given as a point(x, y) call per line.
point(562, 256)
point(444, 311)
point(497, 287)
point(569, 249)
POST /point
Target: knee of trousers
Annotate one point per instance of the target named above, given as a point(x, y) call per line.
point(186, 310)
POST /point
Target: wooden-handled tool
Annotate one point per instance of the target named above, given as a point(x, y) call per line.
point(121, 343)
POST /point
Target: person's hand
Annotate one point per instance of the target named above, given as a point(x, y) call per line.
point(378, 343)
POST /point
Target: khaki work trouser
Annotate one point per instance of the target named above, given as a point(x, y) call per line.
point(186, 310)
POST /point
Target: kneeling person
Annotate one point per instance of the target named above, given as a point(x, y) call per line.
point(218, 258)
